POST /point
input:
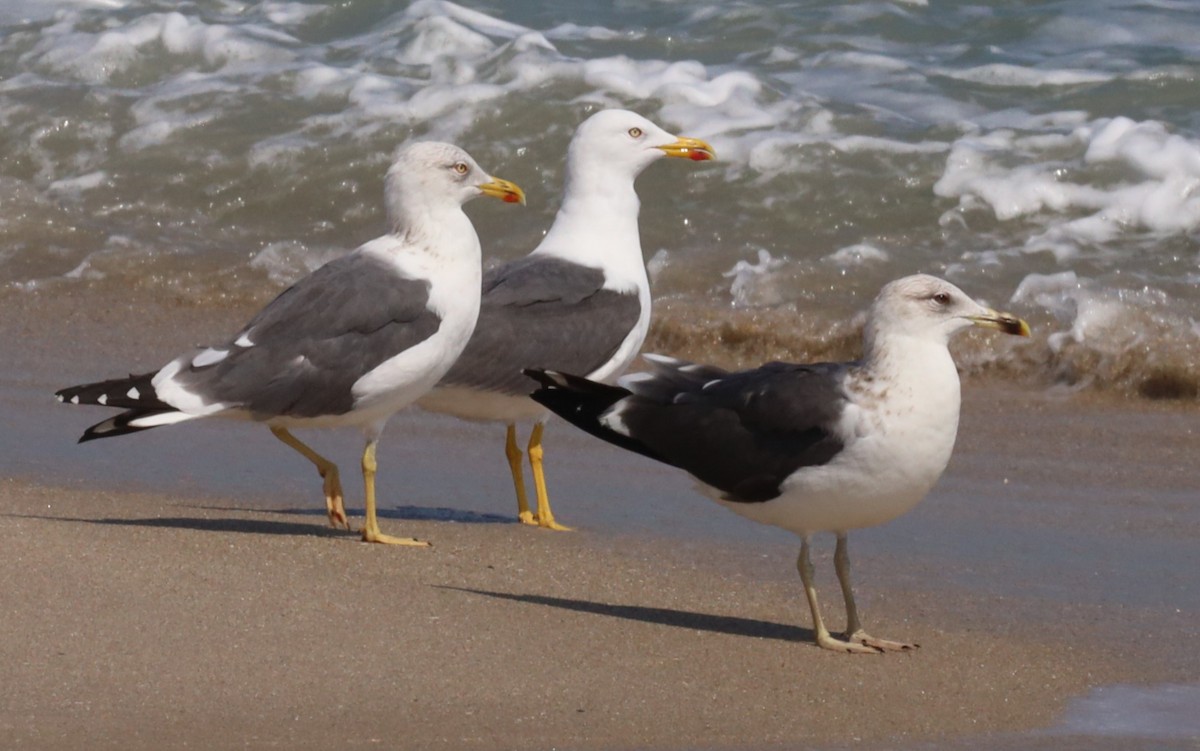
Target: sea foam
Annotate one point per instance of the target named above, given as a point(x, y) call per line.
point(1107, 178)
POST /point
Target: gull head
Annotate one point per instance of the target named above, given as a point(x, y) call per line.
point(931, 308)
point(433, 175)
point(627, 142)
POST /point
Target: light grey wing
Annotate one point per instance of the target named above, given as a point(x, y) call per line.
point(310, 345)
point(542, 313)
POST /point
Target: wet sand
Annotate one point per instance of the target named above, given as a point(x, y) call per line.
point(185, 592)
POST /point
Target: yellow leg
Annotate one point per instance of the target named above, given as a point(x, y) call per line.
point(823, 637)
point(854, 629)
point(371, 531)
point(514, 464)
point(334, 501)
point(545, 517)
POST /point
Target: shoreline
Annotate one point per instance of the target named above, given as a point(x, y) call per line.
point(93, 319)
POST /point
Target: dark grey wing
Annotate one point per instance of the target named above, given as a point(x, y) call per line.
point(316, 339)
point(540, 312)
point(669, 377)
point(743, 433)
point(778, 396)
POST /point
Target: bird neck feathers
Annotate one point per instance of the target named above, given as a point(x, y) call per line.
point(597, 226)
point(912, 363)
point(444, 232)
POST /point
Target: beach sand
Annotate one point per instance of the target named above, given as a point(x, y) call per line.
point(135, 621)
point(185, 591)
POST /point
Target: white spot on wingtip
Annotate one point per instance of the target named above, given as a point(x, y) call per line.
point(102, 399)
point(614, 420)
point(244, 340)
point(209, 356)
point(556, 378)
point(660, 359)
point(75, 399)
point(133, 393)
point(633, 379)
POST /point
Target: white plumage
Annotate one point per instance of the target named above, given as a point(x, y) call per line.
point(350, 344)
point(580, 301)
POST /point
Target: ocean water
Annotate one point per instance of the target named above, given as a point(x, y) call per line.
point(1043, 155)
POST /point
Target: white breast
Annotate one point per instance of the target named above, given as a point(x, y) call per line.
point(455, 281)
point(899, 438)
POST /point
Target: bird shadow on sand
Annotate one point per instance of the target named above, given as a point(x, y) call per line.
point(272, 527)
point(718, 624)
point(200, 524)
point(402, 513)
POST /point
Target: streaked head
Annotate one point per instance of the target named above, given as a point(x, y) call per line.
point(929, 307)
point(628, 142)
point(431, 174)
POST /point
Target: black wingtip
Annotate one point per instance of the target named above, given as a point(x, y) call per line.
point(116, 393)
point(553, 380)
point(120, 424)
point(544, 377)
point(102, 429)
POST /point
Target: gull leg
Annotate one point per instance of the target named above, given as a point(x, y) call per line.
point(371, 531)
point(514, 464)
point(545, 517)
point(334, 501)
point(823, 637)
point(854, 629)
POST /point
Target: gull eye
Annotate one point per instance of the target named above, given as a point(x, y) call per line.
point(461, 168)
point(942, 298)
point(635, 132)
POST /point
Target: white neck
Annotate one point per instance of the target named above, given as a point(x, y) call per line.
point(597, 226)
point(921, 379)
point(440, 245)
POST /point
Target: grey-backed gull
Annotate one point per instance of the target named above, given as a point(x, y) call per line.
point(826, 447)
point(350, 344)
point(580, 302)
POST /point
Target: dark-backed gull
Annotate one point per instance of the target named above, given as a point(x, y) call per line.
point(580, 302)
point(826, 447)
point(358, 339)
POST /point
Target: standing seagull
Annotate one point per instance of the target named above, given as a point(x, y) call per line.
point(358, 339)
point(580, 302)
point(827, 447)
